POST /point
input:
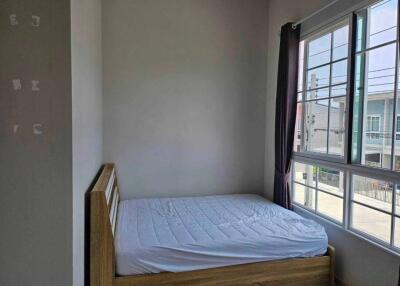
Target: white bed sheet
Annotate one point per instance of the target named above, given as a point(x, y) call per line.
point(183, 234)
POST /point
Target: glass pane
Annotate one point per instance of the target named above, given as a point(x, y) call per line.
point(374, 97)
point(373, 192)
point(305, 174)
point(340, 43)
point(397, 198)
point(396, 165)
point(339, 72)
point(358, 104)
point(316, 125)
point(382, 22)
point(298, 131)
point(317, 93)
point(337, 118)
point(370, 221)
point(319, 51)
point(361, 30)
point(304, 196)
point(330, 180)
point(318, 77)
point(300, 96)
point(330, 206)
point(301, 67)
point(339, 90)
point(397, 232)
point(381, 25)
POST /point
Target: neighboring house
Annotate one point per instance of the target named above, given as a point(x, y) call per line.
point(377, 133)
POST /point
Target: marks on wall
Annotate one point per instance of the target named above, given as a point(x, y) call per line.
point(17, 84)
point(23, 87)
point(35, 22)
point(13, 20)
point(37, 129)
point(35, 85)
point(15, 128)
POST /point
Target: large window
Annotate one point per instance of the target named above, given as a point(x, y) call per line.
point(347, 141)
point(322, 92)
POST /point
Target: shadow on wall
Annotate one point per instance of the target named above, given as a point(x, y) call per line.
point(87, 227)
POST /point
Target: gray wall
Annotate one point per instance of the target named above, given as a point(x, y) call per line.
point(184, 95)
point(35, 170)
point(87, 107)
point(359, 263)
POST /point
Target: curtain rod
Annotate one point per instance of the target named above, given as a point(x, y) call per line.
point(314, 13)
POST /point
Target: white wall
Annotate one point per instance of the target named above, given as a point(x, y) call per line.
point(87, 138)
point(359, 263)
point(35, 170)
point(184, 95)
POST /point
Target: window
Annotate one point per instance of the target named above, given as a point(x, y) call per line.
point(373, 127)
point(322, 94)
point(347, 165)
point(319, 189)
point(375, 80)
point(374, 123)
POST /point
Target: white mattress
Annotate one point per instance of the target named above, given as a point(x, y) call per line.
point(183, 234)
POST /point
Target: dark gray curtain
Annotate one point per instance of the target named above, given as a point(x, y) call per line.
point(285, 117)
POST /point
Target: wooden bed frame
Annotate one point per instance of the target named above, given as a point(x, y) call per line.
point(104, 200)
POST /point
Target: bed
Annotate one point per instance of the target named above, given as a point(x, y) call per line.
point(212, 240)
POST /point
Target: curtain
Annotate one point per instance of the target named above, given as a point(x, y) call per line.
point(285, 116)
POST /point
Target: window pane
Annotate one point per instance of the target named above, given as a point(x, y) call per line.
point(301, 67)
point(330, 206)
point(381, 27)
point(380, 70)
point(339, 90)
point(396, 165)
point(372, 192)
point(373, 99)
point(319, 51)
point(305, 174)
point(337, 115)
point(397, 233)
point(339, 72)
point(330, 180)
point(304, 196)
point(340, 43)
point(316, 125)
point(361, 30)
point(372, 222)
point(318, 77)
point(299, 96)
point(358, 104)
point(397, 198)
point(317, 93)
point(297, 132)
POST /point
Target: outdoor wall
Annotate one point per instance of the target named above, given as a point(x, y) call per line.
point(35, 143)
point(359, 263)
point(184, 95)
point(87, 107)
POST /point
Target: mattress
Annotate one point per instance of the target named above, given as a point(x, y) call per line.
point(192, 233)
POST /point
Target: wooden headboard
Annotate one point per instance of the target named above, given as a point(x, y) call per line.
point(104, 199)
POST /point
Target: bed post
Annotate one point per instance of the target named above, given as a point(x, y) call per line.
point(331, 253)
point(102, 256)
